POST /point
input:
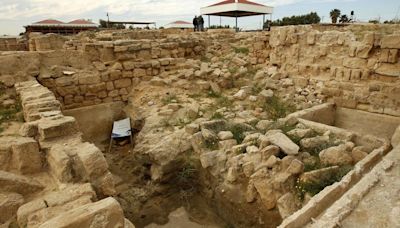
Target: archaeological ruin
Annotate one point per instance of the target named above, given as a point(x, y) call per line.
point(293, 127)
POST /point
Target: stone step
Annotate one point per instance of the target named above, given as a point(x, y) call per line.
point(23, 185)
point(57, 127)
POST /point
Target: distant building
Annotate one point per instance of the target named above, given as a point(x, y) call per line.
point(59, 27)
point(180, 25)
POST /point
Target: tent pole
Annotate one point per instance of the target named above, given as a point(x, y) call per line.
point(208, 21)
point(262, 28)
point(236, 21)
point(220, 21)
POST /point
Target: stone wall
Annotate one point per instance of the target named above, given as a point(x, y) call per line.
point(117, 66)
point(12, 44)
point(355, 73)
point(47, 42)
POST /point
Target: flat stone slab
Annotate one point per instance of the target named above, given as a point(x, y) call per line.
point(11, 182)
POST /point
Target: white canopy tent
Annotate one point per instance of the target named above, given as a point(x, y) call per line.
point(236, 8)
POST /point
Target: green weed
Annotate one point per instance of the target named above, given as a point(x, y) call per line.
point(241, 50)
point(277, 108)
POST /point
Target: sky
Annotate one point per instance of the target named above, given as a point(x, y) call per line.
point(14, 14)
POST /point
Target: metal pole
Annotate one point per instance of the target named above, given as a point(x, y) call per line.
point(262, 27)
point(208, 21)
point(237, 29)
point(220, 21)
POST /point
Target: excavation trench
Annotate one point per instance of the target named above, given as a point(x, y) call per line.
point(178, 201)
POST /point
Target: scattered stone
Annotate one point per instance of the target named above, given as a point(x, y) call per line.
point(11, 182)
point(358, 154)
point(9, 204)
point(337, 155)
point(283, 142)
point(287, 205)
point(240, 95)
point(295, 167)
point(225, 135)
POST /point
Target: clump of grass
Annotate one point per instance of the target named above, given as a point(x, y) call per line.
point(217, 116)
point(10, 114)
point(238, 133)
point(211, 144)
point(241, 50)
point(316, 150)
point(205, 59)
point(233, 70)
point(314, 187)
point(213, 94)
point(169, 98)
point(277, 108)
point(256, 89)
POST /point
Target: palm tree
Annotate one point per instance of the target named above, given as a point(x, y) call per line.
point(335, 14)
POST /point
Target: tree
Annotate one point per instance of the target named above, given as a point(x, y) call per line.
point(344, 19)
point(335, 14)
point(311, 18)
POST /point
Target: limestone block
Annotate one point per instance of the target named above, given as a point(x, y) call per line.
point(336, 156)
point(57, 127)
point(282, 141)
point(10, 182)
point(122, 83)
point(64, 81)
point(91, 162)
point(106, 213)
point(60, 163)
point(26, 156)
point(295, 167)
point(87, 79)
point(355, 63)
point(225, 135)
point(363, 51)
point(9, 204)
point(266, 192)
point(388, 69)
point(139, 72)
point(393, 56)
point(396, 137)
point(5, 156)
point(391, 41)
point(287, 205)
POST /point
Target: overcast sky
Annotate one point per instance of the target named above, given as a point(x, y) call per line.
point(14, 14)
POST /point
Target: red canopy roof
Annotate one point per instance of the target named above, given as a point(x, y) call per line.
point(181, 22)
point(49, 21)
point(81, 22)
point(239, 1)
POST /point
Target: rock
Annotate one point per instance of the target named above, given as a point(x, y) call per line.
point(9, 204)
point(396, 137)
point(240, 95)
point(251, 149)
point(358, 154)
point(227, 144)
point(252, 138)
point(251, 193)
point(225, 135)
point(269, 151)
point(27, 156)
point(263, 142)
point(283, 142)
point(295, 167)
point(252, 98)
point(232, 175)
point(208, 135)
point(391, 41)
point(214, 125)
point(104, 213)
point(266, 93)
point(192, 128)
point(315, 142)
point(10, 182)
point(271, 162)
point(60, 163)
point(57, 127)
point(192, 110)
point(266, 192)
point(287, 205)
point(208, 159)
point(337, 155)
point(215, 88)
point(319, 174)
point(300, 133)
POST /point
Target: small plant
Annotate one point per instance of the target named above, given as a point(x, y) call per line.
point(217, 116)
point(213, 94)
point(233, 70)
point(241, 50)
point(238, 133)
point(169, 98)
point(211, 144)
point(10, 114)
point(277, 108)
point(314, 187)
point(256, 89)
point(205, 59)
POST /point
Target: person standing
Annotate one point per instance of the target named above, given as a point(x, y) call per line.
point(201, 23)
point(196, 23)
